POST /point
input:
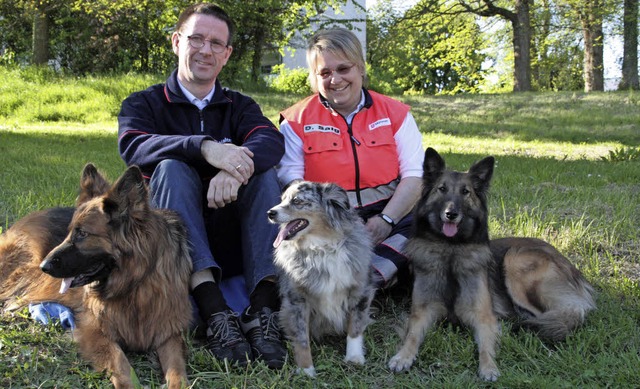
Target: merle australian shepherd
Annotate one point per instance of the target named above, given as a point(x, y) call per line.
point(323, 252)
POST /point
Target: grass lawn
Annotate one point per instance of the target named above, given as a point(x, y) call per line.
point(567, 171)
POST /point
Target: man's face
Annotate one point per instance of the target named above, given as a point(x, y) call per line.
point(200, 66)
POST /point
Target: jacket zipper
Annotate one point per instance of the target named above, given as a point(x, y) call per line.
point(201, 113)
point(354, 144)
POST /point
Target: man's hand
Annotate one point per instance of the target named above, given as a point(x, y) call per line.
point(235, 160)
point(223, 189)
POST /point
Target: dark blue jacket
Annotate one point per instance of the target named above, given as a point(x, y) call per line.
point(160, 123)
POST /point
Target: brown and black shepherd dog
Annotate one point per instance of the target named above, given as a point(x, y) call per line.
point(125, 271)
point(459, 273)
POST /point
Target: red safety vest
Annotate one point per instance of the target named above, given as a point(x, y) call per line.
point(363, 155)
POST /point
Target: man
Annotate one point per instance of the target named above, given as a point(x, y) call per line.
point(209, 154)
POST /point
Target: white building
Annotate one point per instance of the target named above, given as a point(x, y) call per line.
point(354, 15)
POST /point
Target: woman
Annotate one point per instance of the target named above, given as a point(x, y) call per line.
point(361, 140)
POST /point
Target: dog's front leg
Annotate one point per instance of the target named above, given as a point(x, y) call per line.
point(358, 321)
point(172, 359)
point(295, 314)
point(426, 310)
point(105, 355)
point(474, 308)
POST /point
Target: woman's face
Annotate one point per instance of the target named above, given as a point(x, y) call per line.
point(339, 81)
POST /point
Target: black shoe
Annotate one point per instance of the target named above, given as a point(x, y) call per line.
point(225, 340)
point(263, 332)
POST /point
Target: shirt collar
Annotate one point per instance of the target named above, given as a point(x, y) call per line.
point(194, 100)
point(348, 118)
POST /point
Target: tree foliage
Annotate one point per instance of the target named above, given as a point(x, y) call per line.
point(556, 49)
point(436, 46)
point(424, 52)
point(133, 35)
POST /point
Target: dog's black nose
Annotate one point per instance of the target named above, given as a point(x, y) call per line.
point(451, 215)
point(272, 214)
point(48, 265)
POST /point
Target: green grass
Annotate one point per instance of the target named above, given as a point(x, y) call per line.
point(555, 179)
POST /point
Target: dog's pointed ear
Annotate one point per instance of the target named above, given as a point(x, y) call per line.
point(433, 167)
point(481, 173)
point(128, 195)
point(92, 184)
point(335, 202)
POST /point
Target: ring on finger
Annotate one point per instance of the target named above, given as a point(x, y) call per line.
point(238, 167)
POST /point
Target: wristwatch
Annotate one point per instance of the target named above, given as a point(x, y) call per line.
point(387, 219)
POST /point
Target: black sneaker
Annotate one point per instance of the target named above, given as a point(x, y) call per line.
point(263, 332)
point(225, 340)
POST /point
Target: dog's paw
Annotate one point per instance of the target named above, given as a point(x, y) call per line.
point(309, 371)
point(358, 359)
point(489, 374)
point(399, 363)
point(355, 350)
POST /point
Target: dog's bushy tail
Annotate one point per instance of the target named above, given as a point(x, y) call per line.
point(565, 314)
point(556, 325)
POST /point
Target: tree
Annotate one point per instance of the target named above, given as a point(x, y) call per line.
point(40, 33)
point(518, 17)
point(424, 52)
point(590, 14)
point(556, 49)
point(630, 49)
point(132, 35)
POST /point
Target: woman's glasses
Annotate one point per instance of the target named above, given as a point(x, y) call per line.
point(341, 70)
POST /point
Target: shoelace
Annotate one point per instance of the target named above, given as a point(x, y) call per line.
point(270, 326)
point(226, 330)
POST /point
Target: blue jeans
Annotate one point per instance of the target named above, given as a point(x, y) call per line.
point(236, 239)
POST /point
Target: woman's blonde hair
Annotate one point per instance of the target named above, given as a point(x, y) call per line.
point(339, 42)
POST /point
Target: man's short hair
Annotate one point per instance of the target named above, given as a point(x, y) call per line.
point(207, 9)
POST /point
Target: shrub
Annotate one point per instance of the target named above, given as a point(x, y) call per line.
point(294, 81)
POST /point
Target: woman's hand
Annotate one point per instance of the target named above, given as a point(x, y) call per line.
point(379, 229)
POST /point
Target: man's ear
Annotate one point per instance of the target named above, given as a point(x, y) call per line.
point(175, 40)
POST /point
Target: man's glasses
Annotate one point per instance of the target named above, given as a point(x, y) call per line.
point(341, 70)
point(197, 42)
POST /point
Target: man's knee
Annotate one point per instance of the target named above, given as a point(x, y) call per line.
point(265, 183)
point(170, 168)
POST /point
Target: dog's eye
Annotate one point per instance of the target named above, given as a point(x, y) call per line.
point(296, 201)
point(465, 191)
point(79, 234)
point(442, 189)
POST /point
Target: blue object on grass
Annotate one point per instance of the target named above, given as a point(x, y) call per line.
point(42, 312)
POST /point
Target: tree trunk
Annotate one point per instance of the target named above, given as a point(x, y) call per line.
point(630, 49)
point(40, 39)
point(256, 57)
point(539, 48)
point(593, 46)
point(521, 47)
point(520, 22)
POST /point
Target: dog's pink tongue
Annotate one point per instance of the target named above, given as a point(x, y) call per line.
point(450, 229)
point(281, 235)
point(65, 285)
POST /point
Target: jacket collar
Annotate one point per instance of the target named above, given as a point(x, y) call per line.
point(174, 94)
point(368, 101)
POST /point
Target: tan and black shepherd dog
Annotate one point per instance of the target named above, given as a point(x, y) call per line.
point(462, 275)
point(125, 271)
